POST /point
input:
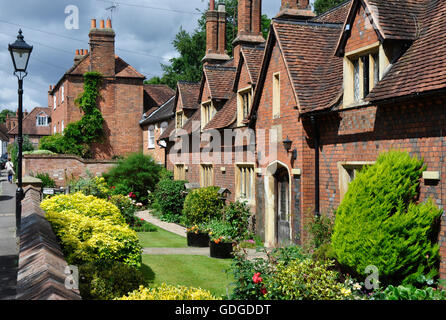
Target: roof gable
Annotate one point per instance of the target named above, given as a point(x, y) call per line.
point(30, 123)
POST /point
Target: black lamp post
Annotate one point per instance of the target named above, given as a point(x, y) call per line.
point(20, 53)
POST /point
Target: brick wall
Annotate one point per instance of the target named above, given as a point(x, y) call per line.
point(62, 168)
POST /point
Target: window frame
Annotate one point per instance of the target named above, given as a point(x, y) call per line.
point(242, 112)
point(42, 116)
point(276, 95)
point(206, 175)
point(344, 170)
point(208, 112)
point(244, 190)
point(151, 144)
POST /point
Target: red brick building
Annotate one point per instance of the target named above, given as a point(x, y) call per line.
point(36, 125)
point(158, 115)
point(122, 94)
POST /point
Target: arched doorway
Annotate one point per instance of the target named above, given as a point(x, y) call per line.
point(277, 205)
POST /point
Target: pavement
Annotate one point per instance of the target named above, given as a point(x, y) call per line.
point(8, 242)
point(181, 231)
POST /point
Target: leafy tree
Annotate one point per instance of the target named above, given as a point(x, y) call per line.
point(379, 223)
point(321, 6)
point(4, 113)
point(192, 48)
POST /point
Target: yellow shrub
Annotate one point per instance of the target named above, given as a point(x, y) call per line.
point(169, 292)
point(89, 206)
point(92, 229)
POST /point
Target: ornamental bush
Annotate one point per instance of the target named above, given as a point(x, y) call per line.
point(169, 292)
point(237, 215)
point(202, 205)
point(137, 173)
point(126, 206)
point(99, 282)
point(305, 280)
point(410, 293)
point(92, 230)
point(378, 222)
point(169, 198)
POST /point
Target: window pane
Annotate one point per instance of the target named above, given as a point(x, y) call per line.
point(376, 68)
point(366, 74)
point(356, 79)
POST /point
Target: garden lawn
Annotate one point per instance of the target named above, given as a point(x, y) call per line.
point(194, 271)
point(161, 239)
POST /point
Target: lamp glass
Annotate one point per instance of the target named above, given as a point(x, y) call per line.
point(21, 58)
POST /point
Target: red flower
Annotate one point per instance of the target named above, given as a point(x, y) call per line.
point(113, 187)
point(263, 291)
point(256, 278)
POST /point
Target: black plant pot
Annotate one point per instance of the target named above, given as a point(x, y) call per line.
point(221, 250)
point(199, 240)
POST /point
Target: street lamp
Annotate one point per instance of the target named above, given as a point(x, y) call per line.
point(20, 53)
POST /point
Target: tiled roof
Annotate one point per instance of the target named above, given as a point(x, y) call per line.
point(225, 116)
point(165, 112)
point(253, 57)
point(3, 132)
point(220, 80)
point(30, 123)
point(335, 15)
point(189, 92)
point(315, 72)
point(155, 95)
point(397, 19)
point(423, 66)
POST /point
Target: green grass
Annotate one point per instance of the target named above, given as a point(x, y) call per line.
point(192, 271)
point(161, 239)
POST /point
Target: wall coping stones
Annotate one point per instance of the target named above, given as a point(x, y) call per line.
point(67, 156)
point(41, 272)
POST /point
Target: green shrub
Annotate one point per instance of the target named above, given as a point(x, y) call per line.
point(410, 293)
point(53, 143)
point(379, 224)
point(38, 152)
point(320, 229)
point(13, 150)
point(202, 205)
point(91, 185)
point(127, 208)
point(244, 269)
point(137, 173)
point(237, 216)
point(305, 280)
point(47, 181)
point(169, 198)
point(99, 282)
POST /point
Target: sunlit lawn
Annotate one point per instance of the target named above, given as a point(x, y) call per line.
point(161, 239)
point(195, 271)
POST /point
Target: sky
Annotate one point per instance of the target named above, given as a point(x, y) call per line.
point(144, 30)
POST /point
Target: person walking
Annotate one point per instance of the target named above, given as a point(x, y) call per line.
point(9, 166)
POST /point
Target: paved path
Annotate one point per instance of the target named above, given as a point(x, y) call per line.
point(181, 231)
point(8, 242)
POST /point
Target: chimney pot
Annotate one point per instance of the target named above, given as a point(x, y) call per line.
point(93, 23)
point(212, 5)
point(77, 52)
point(109, 24)
point(221, 7)
point(102, 25)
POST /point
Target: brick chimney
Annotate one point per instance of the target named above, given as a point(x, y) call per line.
point(296, 9)
point(102, 48)
point(249, 25)
point(216, 34)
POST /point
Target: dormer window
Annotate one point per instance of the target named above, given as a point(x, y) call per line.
point(243, 105)
point(42, 120)
point(208, 111)
point(361, 74)
point(179, 121)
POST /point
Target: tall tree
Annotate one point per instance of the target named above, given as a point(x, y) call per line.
point(4, 113)
point(192, 48)
point(321, 6)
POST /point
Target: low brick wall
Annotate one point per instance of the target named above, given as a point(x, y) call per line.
point(63, 168)
point(41, 272)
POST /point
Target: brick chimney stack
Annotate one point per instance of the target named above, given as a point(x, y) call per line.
point(249, 25)
point(296, 9)
point(216, 34)
point(102, 48)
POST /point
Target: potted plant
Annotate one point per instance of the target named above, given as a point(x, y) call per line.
point(221, 242)
point(198, 236)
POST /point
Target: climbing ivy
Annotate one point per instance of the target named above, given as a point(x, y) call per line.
point(79, 136)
